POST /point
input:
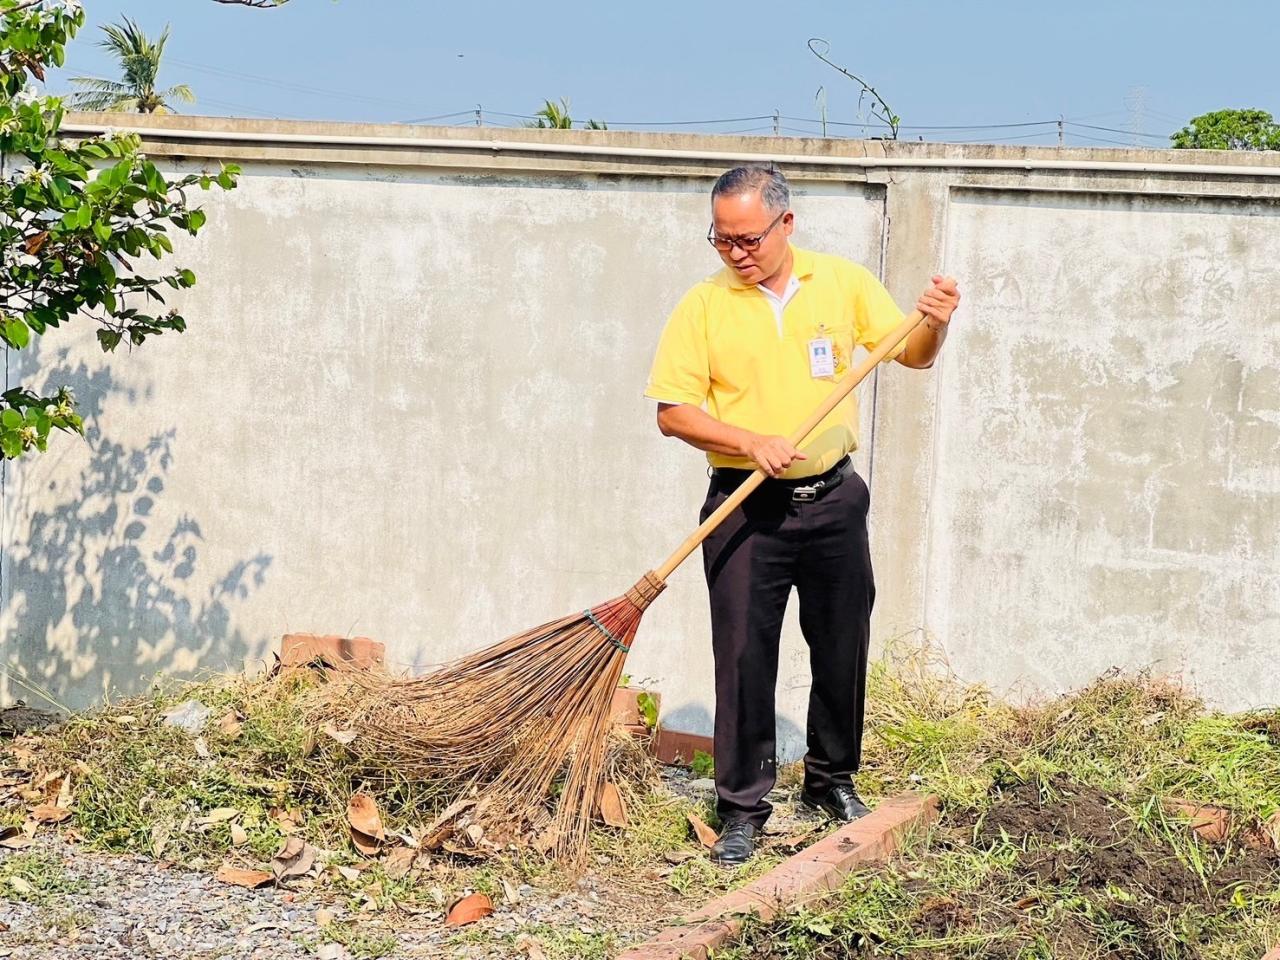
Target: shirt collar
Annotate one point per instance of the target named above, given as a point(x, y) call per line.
point(801, 268)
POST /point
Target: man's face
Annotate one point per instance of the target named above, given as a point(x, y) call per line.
point(744, 215)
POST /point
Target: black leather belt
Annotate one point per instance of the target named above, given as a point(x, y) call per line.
point(801, 490)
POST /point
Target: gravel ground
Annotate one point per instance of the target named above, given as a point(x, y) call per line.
point(108, 906)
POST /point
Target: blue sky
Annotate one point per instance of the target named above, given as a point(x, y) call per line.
point(1139, 68)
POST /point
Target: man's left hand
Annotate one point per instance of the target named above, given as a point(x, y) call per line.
point(939, 302)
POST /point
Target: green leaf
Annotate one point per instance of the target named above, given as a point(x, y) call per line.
point(108, 339)
point(10, 445)
point(16, 333)
point(84, 215)
point(648, 706)
point(187, 277)
point(11, 418)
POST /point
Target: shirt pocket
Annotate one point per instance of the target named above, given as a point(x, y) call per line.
point(840, 333)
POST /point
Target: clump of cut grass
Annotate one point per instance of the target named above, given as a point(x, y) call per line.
point(1136, 736)
point(142, 785)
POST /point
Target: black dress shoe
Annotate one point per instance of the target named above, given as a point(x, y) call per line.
point(841, 802)
point(736, 844)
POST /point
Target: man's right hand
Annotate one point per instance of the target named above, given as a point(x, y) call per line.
point(772, 454)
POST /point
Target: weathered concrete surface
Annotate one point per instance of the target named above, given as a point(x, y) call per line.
point(409, 407)
point(1107, 448)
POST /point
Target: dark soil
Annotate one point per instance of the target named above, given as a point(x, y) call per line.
point(1087, 882)
point(20, 719)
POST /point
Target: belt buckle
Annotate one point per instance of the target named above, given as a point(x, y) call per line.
point(804, 494)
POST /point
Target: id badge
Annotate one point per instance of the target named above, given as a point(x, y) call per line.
point(822, 361)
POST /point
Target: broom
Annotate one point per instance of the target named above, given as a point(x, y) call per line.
point(512, 723)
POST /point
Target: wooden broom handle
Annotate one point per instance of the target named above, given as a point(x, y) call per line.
point(842, 390)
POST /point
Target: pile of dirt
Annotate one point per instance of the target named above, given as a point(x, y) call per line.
point(1050, 869)
point(1076, 843)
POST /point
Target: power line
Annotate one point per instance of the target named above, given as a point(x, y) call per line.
point(1118, 143)
point(442, 116)
point(1129, 133)
point(285, 85)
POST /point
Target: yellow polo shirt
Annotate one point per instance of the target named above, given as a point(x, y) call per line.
point(724, 346)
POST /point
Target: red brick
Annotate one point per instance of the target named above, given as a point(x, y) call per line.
point(1272, 954)
point(801, 879)
point(674, 747)
point(626, 709)
point(361, 653)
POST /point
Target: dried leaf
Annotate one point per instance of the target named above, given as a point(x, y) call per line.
point(239, 836)
point(442, 827)
point(231, 724)
point(160, 833)
point(344, 737)
point(202, 748)
point(242, 878)
point(294, 859)
point(510, 892)
point(217, 815)
point(677, 857)
point(398, 862)
point(350, 874)
point(324, 917)
point(22, 886)
point(362, 814)
point(64, 794)
point(11, 839)
point(50, 813)
point(366, 844)
point(706, 836)
point(468, 910)
point(408, 839)
point(289, 821)
point(612, 810)
point(34, 242)
point(333, 951)
point(475, 833)
point(530, 947)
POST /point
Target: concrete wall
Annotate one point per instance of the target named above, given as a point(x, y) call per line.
point(409, 406)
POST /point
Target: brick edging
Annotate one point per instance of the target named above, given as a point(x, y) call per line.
point(1273, 953)
point(808, 875)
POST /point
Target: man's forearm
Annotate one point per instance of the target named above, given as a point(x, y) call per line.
point(924, 344)
point(698, 428)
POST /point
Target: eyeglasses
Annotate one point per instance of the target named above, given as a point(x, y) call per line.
point(748, 244)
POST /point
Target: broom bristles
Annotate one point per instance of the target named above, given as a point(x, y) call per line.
point(510, 721)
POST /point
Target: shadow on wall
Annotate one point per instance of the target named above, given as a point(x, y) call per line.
point(101, 593)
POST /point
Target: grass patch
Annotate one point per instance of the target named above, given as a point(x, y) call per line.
point(361, 944)
point(36, 877)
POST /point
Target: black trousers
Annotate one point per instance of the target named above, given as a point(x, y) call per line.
point(767, 546)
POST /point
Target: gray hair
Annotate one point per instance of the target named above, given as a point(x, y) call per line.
point(769, 181)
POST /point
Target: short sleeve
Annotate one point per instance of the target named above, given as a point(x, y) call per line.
point(877, 314)
point(681, 369)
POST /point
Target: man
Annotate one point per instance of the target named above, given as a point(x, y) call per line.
point(760, 344)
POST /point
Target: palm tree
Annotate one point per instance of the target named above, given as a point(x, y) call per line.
point(140, 63)
point(555, 116)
